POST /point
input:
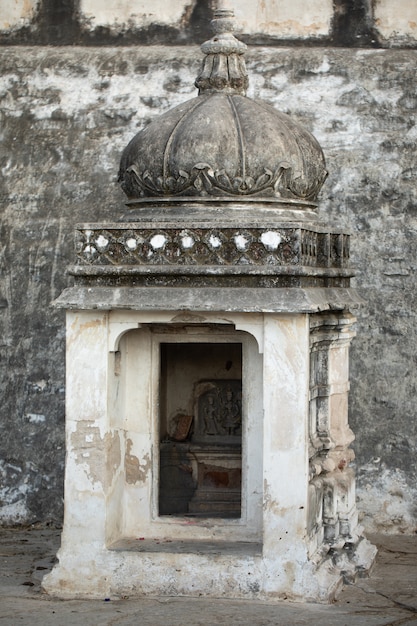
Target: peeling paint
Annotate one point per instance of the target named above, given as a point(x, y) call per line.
point(99, 456)
point(118, 16)
point(288, 18)
point(386, 500)
point(134, 470)
point(93, 324)
point(395, 20)
point(35, 418)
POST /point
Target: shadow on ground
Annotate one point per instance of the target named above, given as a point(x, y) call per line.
point(387, 598)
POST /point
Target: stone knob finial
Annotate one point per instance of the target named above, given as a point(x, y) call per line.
point(224, 66)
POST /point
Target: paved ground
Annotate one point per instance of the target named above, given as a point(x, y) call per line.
point(388, 598)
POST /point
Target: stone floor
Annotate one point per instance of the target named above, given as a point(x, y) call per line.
point(388, 597)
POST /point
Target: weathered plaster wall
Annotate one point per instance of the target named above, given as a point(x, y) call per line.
point(66, 114)
point(370, 23)
point(287, 18)
point(396, 21)
point(17, 14)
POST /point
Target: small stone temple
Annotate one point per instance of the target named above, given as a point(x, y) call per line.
point(208, 333)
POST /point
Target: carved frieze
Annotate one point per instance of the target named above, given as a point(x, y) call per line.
point(286, 246)
point(203, 178)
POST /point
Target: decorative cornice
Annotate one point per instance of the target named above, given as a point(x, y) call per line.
point(209, 299)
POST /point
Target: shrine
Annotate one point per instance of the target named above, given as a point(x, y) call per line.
point(208, 333)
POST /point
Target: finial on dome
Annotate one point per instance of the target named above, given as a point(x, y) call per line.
point(224, 66)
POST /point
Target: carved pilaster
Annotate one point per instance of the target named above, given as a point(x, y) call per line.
point(329, 433)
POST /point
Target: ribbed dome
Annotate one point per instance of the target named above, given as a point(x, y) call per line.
point(223, 144)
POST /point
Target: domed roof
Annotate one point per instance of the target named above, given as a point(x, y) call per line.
point(222, 143)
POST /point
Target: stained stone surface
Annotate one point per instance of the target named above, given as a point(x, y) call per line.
point(103, 22)
point(67, 115)
point(387, 597)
